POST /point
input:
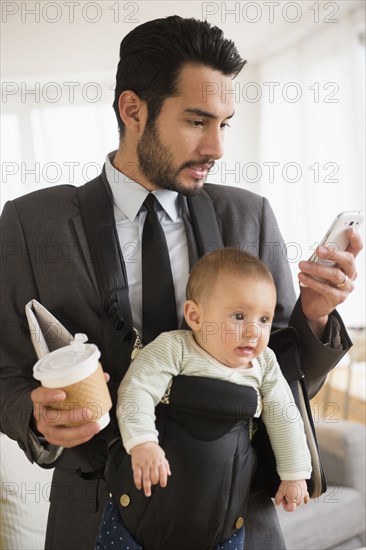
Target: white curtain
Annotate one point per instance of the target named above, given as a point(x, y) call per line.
point(54, 131)
point(311, 139)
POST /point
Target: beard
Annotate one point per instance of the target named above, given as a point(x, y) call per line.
point(156, 163)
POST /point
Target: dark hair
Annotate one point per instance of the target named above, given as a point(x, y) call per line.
point(224, 262)
point(152, 55)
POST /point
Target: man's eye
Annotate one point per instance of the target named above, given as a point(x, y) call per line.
point(196, 123)
point(224, 125)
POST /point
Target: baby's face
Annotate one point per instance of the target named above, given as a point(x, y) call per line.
point(236, 319)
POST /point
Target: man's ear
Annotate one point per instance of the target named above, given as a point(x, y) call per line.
point(132, 110)
point(192, 315)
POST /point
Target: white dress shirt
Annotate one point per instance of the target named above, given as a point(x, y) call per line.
point(128, 197)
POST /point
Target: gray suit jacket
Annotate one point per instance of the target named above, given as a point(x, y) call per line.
point(45, 255)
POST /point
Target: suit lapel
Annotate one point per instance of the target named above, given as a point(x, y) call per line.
point(203, 228)
point(193, 251)
point(84, 247)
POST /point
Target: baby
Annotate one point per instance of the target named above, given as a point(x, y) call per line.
point(231, 298)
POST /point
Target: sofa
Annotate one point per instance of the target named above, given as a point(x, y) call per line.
point(334, 521)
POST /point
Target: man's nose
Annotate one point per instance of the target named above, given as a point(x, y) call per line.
point(212, 144)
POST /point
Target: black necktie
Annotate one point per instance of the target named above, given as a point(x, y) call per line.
point(159, 312)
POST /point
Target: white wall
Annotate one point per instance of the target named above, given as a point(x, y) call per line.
point(67, 52)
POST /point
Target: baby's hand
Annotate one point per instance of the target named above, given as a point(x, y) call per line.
point(291, 493)
point(149, 466)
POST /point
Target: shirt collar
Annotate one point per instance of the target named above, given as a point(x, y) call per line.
point(128, 195)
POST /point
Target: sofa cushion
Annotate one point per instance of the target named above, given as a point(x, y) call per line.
point(335, 517)
point(351, 544)
point(342, 446)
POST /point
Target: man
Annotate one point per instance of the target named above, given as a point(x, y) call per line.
point(171, 132)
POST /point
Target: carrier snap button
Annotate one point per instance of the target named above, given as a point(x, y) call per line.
point(239, 522)
point(125, 500)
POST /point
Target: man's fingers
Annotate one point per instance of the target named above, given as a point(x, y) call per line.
point(53, 423)
point(47, 395)
point(355, 242)
point(68, 436)
point(334, 274)
point(344, 265)
point(61, 417)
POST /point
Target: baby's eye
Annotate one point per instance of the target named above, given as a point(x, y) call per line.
point(238, 317)
point(265, 320)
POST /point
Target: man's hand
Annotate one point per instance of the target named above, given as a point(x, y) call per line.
point(319, 299)
point(149, 466)
point(51, 422)
point(291, 494)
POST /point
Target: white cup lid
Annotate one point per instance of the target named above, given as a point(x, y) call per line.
point(67, 365)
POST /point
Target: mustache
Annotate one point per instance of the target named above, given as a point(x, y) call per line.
point(209, 163)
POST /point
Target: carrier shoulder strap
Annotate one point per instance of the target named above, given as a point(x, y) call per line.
point(99, 224)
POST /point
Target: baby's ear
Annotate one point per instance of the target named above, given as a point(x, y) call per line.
point(192, 315)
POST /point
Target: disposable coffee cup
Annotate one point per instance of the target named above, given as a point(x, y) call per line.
point(76, 370)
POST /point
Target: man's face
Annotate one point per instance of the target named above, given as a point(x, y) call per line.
point(187, 137)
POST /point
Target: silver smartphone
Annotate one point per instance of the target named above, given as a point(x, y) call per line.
point(336, 238)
